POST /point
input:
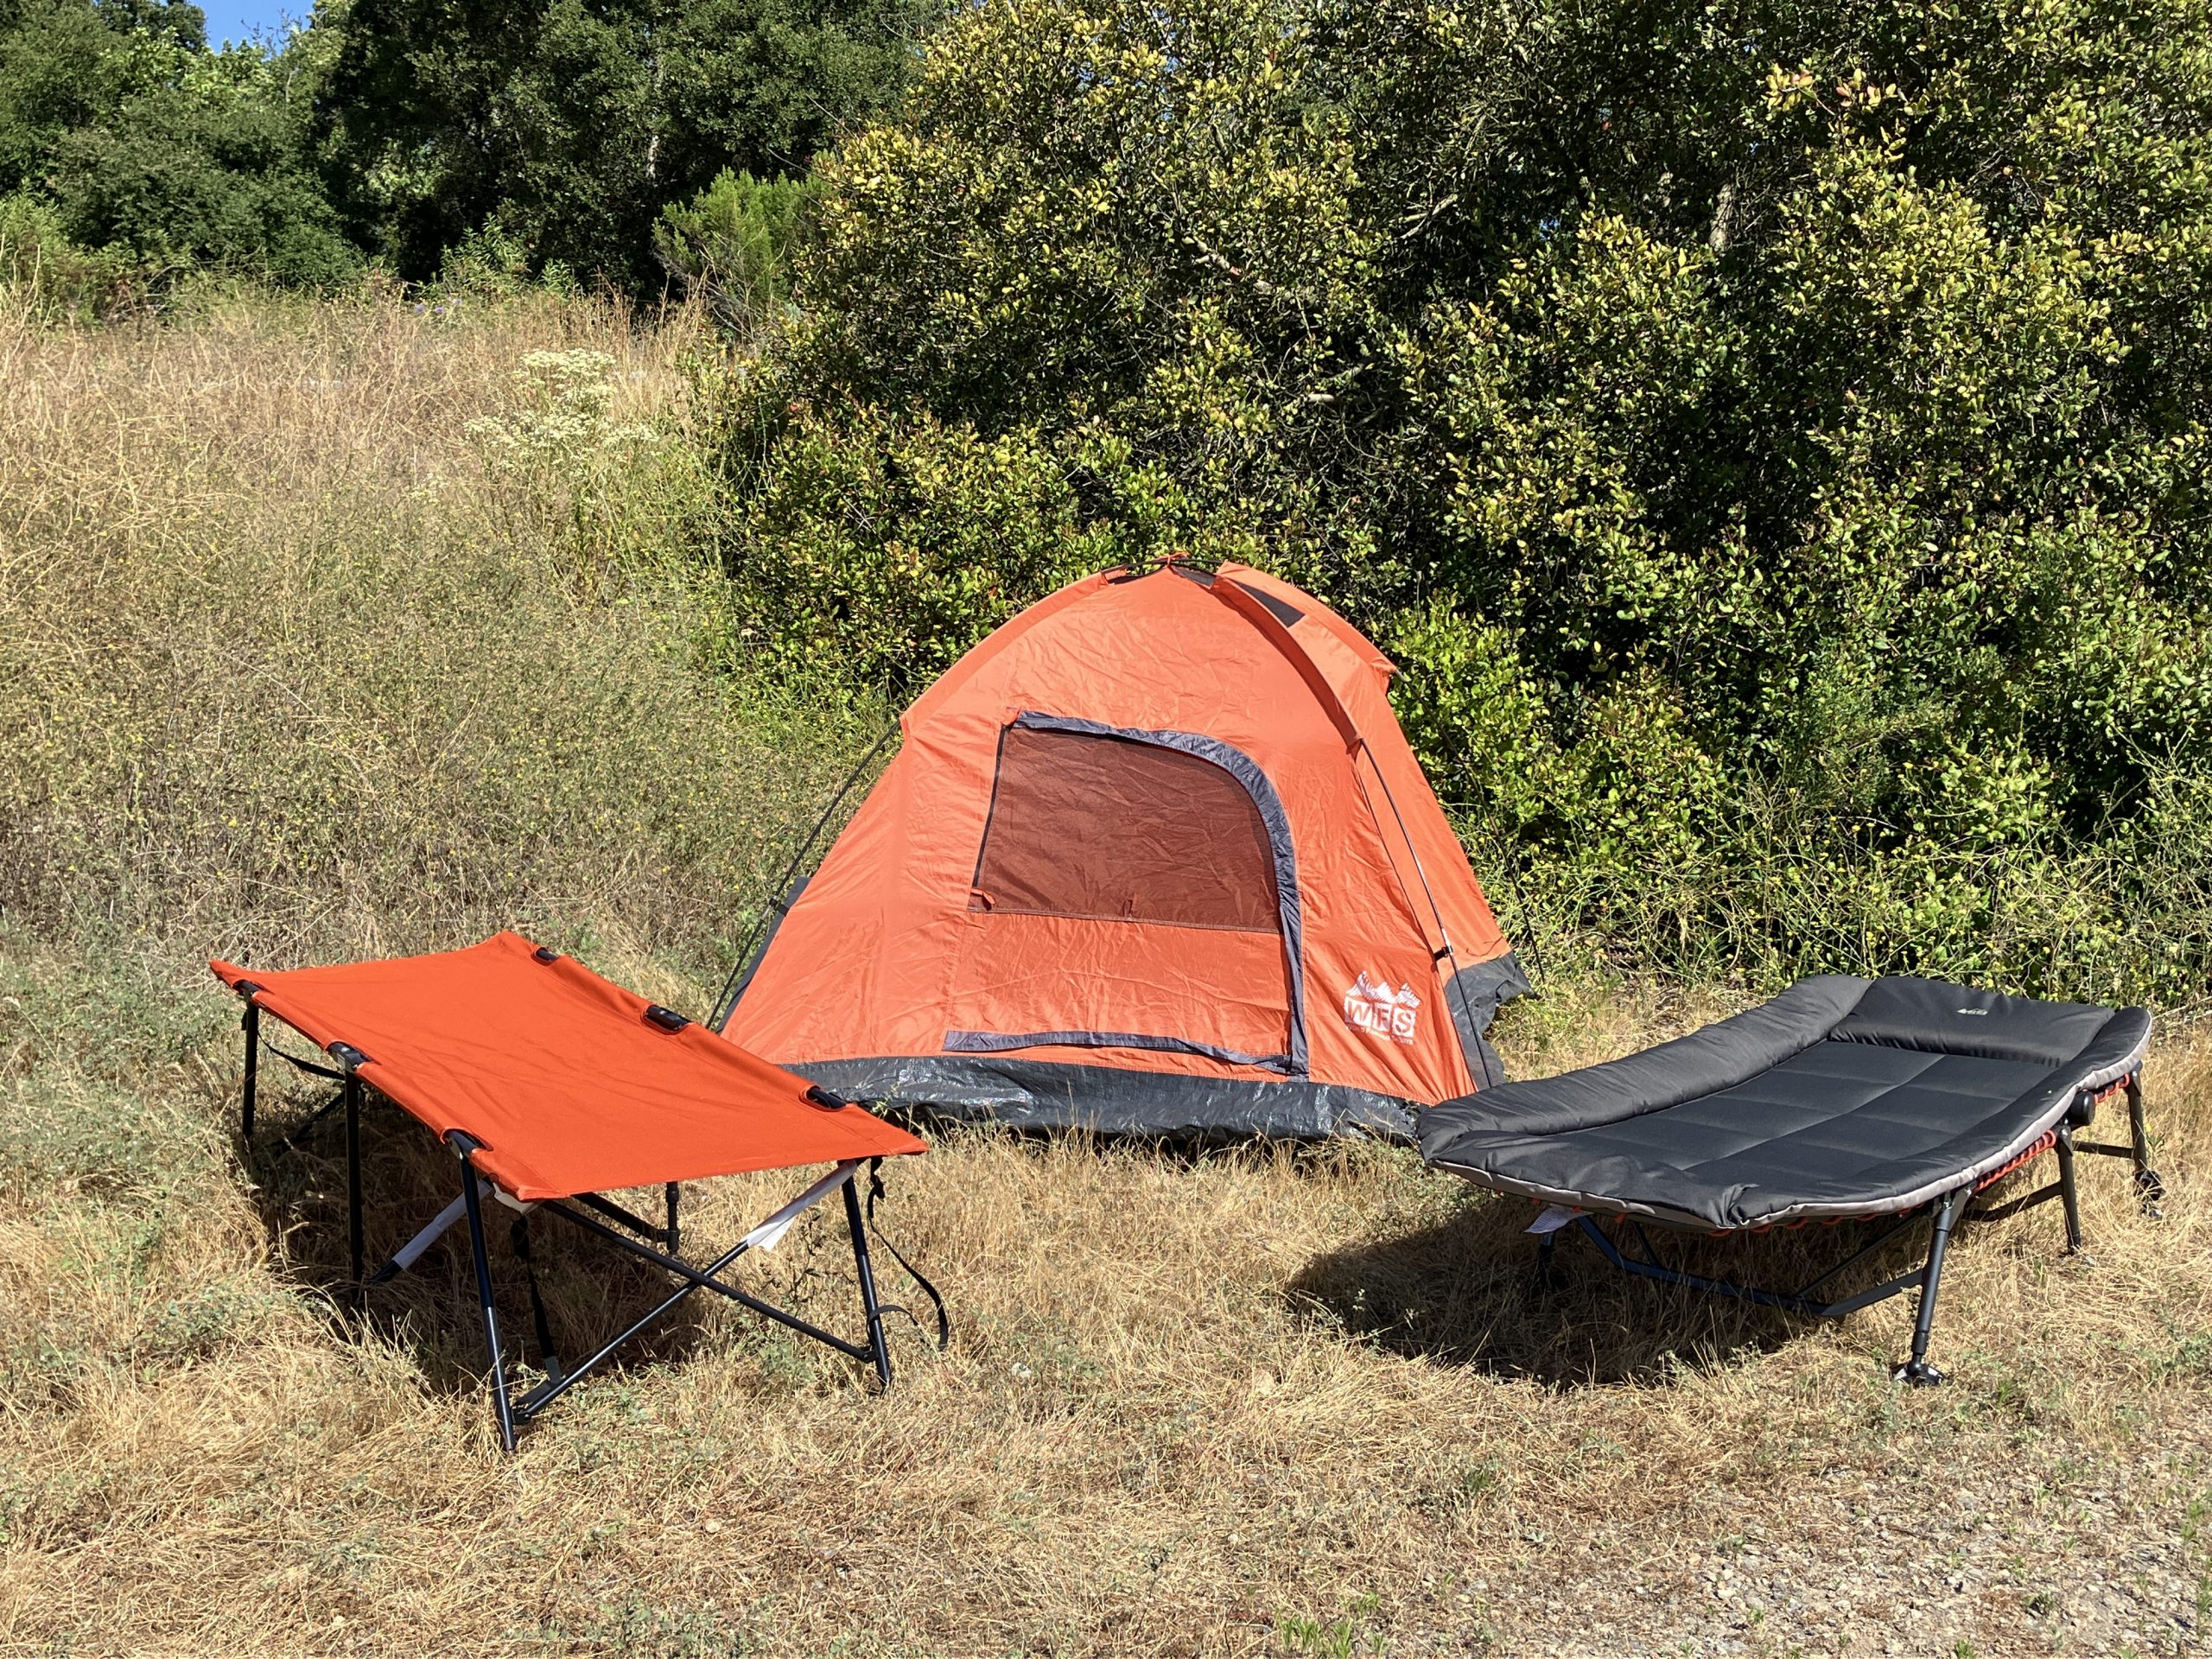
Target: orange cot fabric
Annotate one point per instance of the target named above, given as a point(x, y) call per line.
point(558, 1072)
point(1050, 872)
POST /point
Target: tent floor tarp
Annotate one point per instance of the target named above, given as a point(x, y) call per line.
point(1842, 1098)
point(555, 1086)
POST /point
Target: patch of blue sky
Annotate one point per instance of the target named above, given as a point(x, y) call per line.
point(242, 22)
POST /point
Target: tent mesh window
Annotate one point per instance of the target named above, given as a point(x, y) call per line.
point(1116, 829)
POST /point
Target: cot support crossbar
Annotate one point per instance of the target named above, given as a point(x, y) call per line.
point(631, 1219)
point(1944, 1214)
point(1799, 1301)
point(511, 1409)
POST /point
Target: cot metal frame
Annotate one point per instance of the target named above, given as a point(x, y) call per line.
point(590, 1212)
point(1944, 1214)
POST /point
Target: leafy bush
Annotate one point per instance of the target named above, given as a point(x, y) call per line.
point(1774, 437)
point(51, 274)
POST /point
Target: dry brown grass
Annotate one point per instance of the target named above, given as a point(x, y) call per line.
point(1253, 1402)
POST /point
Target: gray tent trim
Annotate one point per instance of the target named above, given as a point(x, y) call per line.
point(1474, 994)
point(1041, 1094)
point(1000, 1042)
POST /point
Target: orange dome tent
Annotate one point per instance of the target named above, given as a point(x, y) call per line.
point(1153, 857)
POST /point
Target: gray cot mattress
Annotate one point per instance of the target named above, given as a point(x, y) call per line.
point(1842, 1096)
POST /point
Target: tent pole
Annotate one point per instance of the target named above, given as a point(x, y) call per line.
point(1412, 852)
point(878, 1348)
point(500, 1406)
point(734, 987)
point(1446, 952)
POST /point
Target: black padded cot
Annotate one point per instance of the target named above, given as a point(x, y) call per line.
point(1842, 1098)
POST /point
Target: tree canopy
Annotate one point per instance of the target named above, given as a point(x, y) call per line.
point(400, 129)
point(1774, 435)
point(117, 119)
point(569, 127)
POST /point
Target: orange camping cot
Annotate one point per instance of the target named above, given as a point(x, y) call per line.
point(1153, 858)
point(554, 1085)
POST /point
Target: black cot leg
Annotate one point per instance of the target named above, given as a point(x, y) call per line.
point(500, 1406)
point(1917, 1370)
point(352, 1092)
point(548, 1355)
point(2067, 1194)
point(252, 1024)
point(671, 1235)
point(2148, 1186)
point(878, 1348)
point(1547, 1248)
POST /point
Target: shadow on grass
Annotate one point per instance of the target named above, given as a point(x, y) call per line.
point(1465, 1292)
point(591, 1289)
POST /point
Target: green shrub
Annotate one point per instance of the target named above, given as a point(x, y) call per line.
point(490, 263)
point(1774, 437)
point(143, 144)
point(54, 277)
point(731, 245)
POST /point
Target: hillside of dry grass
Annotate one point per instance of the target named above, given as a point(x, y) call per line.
point(329, 631)
point(358, 627)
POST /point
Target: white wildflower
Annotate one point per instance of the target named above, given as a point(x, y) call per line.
point(567, 401)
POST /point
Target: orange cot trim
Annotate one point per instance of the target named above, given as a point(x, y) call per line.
point(2049, 1140)
point(562, 1076)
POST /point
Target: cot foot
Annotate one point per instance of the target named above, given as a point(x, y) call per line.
point(1917, 1373)
point(2150, 1192)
